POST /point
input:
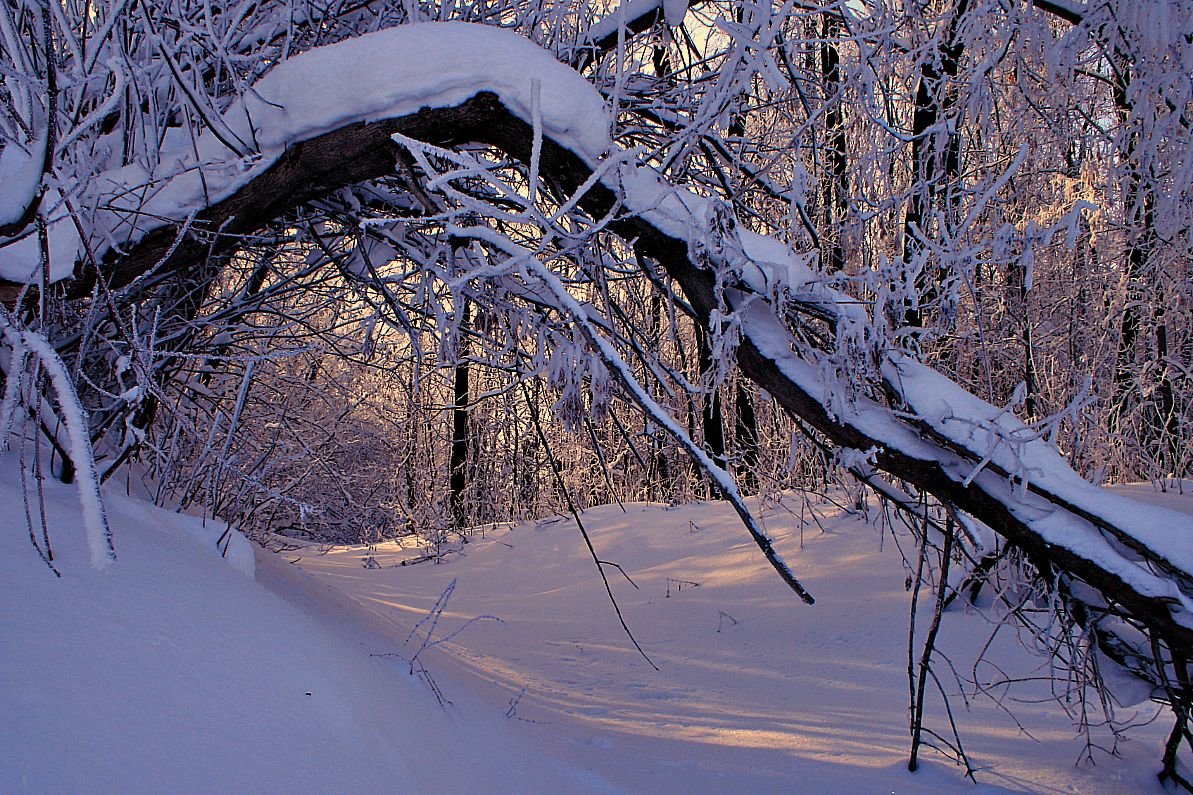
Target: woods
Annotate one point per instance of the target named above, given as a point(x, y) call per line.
point(307, 266)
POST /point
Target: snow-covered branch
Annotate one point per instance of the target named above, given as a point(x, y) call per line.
point(373, 86)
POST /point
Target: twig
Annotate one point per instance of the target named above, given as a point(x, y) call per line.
point(555, 469)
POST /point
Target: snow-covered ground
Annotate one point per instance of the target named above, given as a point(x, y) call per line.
point(174, 671)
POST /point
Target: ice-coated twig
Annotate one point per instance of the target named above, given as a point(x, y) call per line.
point(22, 341)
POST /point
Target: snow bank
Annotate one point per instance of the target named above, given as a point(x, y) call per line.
point(172, 672)
point(756, 693)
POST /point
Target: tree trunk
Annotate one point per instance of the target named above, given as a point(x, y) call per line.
point(458, 465)
point(934, 169)
point(711, 420)
point(835, 196)
point(1133, 411)
point(745, 433)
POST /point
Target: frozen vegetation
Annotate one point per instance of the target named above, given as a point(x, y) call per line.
point(350, 272)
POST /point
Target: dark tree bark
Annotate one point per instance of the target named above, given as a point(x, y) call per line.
point(835, 195)
point(935, 160)
point(712, 420)
point(746, 439)
point(659, 470)
point(461, 445)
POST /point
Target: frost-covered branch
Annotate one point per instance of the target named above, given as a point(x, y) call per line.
point(22, 345)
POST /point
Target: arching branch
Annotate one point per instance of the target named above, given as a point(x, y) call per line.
point(909, 420)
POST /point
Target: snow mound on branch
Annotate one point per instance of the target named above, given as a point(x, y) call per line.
point(397, 71)
point(20, 174)
point(386, 74)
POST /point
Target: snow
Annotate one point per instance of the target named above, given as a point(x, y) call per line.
point(20, 258)
point(626, 11)
point(998, 436)
point(20, 174)
point(757, 693)
point(173, 671)
point(385, 75)
point(74, 417)
point(674, 11)
point(380, 75)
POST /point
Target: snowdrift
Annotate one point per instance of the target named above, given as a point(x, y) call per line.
point(173, 671)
